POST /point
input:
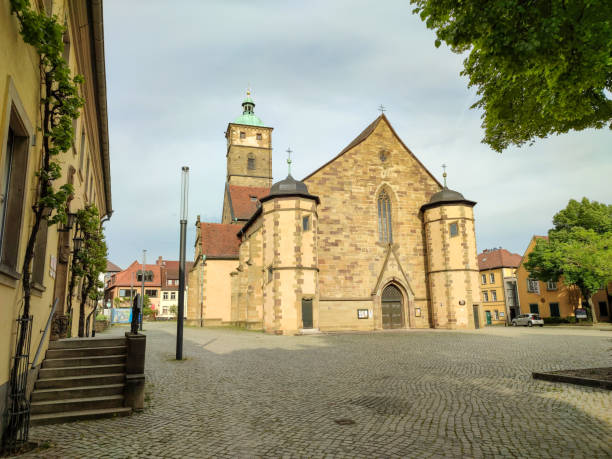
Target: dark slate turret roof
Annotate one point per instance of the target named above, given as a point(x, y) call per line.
point(446, 196)
point(285, 188)
point(289, 186)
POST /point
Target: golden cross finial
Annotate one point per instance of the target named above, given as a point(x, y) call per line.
point(289, 151)
point(444, 174)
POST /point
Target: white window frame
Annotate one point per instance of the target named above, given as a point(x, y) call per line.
point(533, 285)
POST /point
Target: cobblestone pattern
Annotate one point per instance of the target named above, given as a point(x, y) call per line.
point(419, 393)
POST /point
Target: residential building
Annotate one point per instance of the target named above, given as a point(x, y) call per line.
point(498, 285)
point(555, 299)
point(111, 268)
point(86, 166)
point(161, 286)
point(123, 286)
point(370, 240)
point(168, 301)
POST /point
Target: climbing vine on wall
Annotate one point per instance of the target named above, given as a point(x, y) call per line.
point(60, 104)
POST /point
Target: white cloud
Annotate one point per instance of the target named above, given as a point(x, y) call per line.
point(177, 72)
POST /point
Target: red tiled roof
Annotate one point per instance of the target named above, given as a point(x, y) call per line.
point(125, 279)
point(498, 258)
point(220, 239)
point(112, 267)
point(243, 206)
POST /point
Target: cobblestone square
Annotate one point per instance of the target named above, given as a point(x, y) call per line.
point(428, 393)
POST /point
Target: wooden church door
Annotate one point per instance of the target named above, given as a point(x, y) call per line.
point(392, 307)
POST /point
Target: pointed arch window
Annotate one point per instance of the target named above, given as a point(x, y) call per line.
point(385, 233)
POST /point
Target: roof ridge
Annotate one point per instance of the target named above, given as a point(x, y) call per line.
point(356, 141)
point(363, 136)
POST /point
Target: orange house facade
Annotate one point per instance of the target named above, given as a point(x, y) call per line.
point(555, 299)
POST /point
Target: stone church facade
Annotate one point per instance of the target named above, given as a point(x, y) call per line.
point(370, 240)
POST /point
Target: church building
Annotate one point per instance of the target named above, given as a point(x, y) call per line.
point(368, 241)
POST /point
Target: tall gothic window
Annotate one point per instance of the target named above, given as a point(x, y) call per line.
point(385, 233)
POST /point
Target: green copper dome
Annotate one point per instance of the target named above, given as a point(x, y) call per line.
point(248, 114)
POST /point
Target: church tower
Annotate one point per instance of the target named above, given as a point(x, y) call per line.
point(249, 149)
point(452, 264)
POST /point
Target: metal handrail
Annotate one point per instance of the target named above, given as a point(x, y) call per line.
point(44, 332)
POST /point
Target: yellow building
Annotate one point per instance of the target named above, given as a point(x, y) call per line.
point(370, 240)
point(86, 166)
point(555, 299)
point(498, 285)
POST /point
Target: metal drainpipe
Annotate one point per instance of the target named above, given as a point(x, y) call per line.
point(202, 291)
point(103, 220)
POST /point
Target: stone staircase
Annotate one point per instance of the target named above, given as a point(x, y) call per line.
point(81, 378)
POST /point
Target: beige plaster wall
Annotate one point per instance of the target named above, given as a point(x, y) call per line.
point(217, 290)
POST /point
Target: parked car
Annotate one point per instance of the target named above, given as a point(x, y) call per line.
point(529, 320)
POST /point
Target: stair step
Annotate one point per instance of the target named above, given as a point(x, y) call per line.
point(76, 404)
point(74, 343)
point(45, 373)
point(68, 416)
point(40, 395)
point(79, 381)
point(83, 361)
point(85, 352)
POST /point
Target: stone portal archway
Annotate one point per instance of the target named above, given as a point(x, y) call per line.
point(392, 310)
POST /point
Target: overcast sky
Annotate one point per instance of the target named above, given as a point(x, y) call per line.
point(177, 73)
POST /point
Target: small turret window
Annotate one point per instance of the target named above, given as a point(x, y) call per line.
point(242, 135)
point(305, 223)
point(385, 232)
point(454, 229)
point(251, 162)
point(258, 136)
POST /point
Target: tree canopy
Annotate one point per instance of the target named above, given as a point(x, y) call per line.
point(540, 67)
point(578, 248)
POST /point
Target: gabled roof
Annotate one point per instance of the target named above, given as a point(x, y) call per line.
point(129, 276)
point(534, 238)
point(219, 240)
point(112, 267)
point(363, 136)
point(241, 202)
point(498, 258)
point(171, 270)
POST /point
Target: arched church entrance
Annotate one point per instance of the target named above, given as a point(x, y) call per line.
point(392, 307)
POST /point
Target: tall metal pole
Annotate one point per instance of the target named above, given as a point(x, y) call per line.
point(202, 290)
point(181, 298)
point(142, 289)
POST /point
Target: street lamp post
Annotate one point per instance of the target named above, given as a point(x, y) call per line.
point(142, 288)
point(181, 298)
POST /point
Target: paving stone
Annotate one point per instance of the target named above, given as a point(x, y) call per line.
point(429, 393)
